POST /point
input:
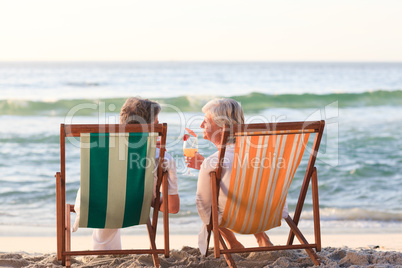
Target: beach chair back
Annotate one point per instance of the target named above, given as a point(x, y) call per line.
point(263, 168)
point(265, 161)
point(116, 179)
point(117, 184)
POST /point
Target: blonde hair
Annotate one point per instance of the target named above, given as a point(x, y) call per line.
point(225, 112)
point(139, 111)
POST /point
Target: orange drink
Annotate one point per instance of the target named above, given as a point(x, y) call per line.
point(190, 146)
point(190, 152)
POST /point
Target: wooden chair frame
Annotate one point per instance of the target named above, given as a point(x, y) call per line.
point(63, 210)
point(310, 175)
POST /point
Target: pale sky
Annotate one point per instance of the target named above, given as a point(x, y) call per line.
point(204, 30)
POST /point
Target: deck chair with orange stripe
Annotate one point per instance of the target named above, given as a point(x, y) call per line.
point(265, 161)
point(116, 186)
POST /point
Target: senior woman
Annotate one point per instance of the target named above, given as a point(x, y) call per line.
point(218, 112)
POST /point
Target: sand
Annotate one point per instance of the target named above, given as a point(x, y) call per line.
point(190, 257)
point(355, 250)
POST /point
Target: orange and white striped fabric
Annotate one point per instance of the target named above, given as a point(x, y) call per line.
point(263, 169)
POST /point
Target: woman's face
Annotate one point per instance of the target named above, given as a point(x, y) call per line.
point(211, 131)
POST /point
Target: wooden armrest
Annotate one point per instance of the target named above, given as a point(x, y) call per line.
point(71, 208)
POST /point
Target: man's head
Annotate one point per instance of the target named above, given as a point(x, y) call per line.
point(139, 111)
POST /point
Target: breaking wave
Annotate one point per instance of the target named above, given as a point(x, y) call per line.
point(250, 102)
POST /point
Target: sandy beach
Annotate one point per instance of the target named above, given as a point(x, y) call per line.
point(351, 250)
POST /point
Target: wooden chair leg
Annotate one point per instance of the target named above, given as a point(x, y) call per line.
point(166, 235)
point(302, 240)
point(228, 256)
point(316, 210)
point(151, 227)
point(58, 216)
point(151, 234)
point(299, 206)
point(157, 202)
point(68, 235)
point(214, 212)
point(209, 230)
point(63, 218)
point(165, 214)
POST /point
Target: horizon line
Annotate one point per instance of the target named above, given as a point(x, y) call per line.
point(198, 61)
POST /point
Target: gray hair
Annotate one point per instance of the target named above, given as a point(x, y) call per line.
point(224, 112)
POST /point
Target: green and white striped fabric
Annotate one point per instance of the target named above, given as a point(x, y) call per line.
point(116, 179)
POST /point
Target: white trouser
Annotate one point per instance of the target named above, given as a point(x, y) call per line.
point(106, 239)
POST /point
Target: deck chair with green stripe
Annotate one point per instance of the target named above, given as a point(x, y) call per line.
point(117, 182)
point(265, 161)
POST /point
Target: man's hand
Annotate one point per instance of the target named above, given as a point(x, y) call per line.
point(158, 145)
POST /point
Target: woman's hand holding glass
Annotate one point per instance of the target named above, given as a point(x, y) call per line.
point(190, 147)
point(195, 161)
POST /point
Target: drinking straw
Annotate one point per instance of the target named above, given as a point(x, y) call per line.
point(193, 142)
point(192, 133)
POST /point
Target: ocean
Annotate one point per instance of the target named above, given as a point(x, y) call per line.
point(360, 160)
